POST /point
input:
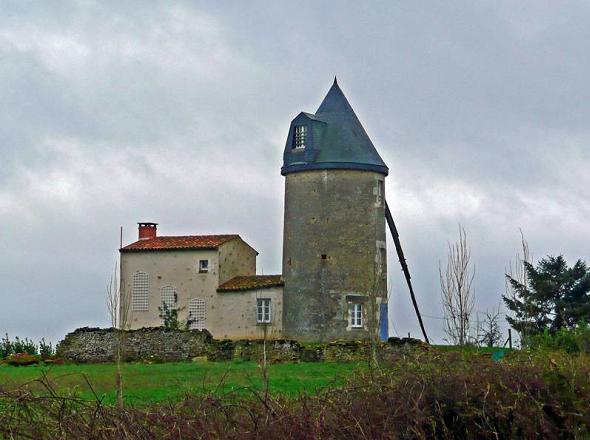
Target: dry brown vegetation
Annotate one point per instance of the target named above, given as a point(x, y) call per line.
point(426, 394)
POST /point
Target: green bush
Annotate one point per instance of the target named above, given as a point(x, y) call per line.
point(46, 350)
point(572, 341)
point(8, 347)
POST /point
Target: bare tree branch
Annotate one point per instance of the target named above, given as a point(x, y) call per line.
point(118, 305)
point(458, 297)
point(518, 273)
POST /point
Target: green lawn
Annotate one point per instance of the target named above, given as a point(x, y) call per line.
point(146, 383)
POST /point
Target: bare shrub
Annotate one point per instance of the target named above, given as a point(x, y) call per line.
point(488, 331)
point(458, 297)
point(118, 305)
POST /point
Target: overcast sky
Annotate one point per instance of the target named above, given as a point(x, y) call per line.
point(177, 112)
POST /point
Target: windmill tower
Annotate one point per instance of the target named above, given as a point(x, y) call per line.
point(334, 251)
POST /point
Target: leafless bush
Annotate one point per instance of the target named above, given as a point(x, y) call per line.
point(488, 331)
point(118, 305)
point(458, 297)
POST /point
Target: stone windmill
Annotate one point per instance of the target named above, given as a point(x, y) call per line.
point(334, 242)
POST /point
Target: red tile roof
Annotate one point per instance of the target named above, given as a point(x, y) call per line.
point(180, 242)
point(251, 282)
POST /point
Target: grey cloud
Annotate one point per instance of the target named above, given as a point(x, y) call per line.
point(177, 112)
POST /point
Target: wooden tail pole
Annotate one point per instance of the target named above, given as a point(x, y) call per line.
point(402, 261)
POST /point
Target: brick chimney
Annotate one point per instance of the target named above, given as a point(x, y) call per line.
point(147, 230)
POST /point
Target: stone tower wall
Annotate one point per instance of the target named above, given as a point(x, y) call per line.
point(333, 252)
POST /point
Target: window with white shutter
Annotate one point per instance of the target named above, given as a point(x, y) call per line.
point(197, 310)
point(140, 292)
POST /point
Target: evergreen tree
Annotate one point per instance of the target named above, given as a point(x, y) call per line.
point(554, 296)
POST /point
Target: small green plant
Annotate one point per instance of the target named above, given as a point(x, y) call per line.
point(169, 316)
point(5, 347)
point(46, 350)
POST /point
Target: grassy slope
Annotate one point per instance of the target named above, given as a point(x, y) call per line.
point(145, 383)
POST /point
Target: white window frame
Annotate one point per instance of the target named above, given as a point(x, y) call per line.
point(356, 315)
point(203, 268)
point(300, 137)
point(263, 310)
point(140, 292)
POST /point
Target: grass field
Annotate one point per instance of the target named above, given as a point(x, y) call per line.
point(149, 383)
point(434, 393)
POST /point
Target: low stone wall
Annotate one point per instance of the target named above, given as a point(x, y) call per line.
point(157, 344)
point(279, 350)
point(87, 345)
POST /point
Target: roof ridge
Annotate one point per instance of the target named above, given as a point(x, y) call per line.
point(198, 235)
point(171, 242)
point(251, 282)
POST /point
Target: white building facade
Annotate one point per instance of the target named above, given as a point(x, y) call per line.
point(209, 280)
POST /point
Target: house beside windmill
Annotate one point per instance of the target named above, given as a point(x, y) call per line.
point(334, 279)
point(210, 280)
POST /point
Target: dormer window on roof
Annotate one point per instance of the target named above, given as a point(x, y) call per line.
point(332, 138)
point(300, 138)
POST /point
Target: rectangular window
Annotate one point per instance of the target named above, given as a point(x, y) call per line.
point(300, 137)
point(263, 310)
point(203, 266)
point(356, 315)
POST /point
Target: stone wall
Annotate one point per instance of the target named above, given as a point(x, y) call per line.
point(90, 345)
point(98, 345)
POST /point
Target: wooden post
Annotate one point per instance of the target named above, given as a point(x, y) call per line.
point(510, 338)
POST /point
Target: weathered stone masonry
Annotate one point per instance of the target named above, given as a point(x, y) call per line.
point(343, 219)
point(86, 345)
point(95, 345)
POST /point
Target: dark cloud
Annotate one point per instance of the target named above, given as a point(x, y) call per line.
point(178, 113)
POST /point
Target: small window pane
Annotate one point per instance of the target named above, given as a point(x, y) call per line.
point(263, 310)
point(300, 136)
point(356, 315)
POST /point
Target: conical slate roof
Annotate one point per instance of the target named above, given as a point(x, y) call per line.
point(335, 139)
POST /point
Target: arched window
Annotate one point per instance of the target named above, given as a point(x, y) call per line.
point(140, 292)
point(168, 297)
point(197, 310)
